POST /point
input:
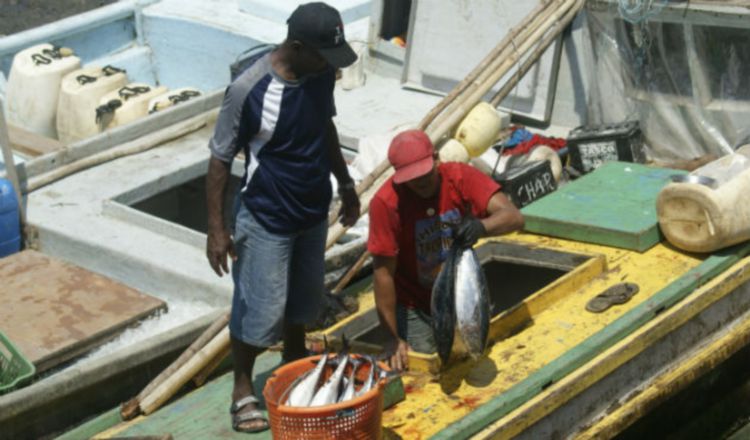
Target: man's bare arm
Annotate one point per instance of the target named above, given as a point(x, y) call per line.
point(219, 242)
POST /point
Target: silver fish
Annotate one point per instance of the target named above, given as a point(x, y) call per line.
point(367, 386)
point(472, 304)
point(303, 392)
point(348, 392)
point(443, 306)
point(329, 392)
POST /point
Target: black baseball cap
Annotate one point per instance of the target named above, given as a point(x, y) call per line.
point(319, 26)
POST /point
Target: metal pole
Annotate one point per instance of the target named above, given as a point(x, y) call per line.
point(10, 166)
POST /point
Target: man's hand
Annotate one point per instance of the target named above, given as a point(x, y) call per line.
point(397, 354)
point(218, 245)
point(349, 206)
point(469, 231)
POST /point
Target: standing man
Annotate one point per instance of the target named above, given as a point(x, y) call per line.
point(412, 218)
point(279, 112)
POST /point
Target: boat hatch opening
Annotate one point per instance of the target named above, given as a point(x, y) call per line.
point(174, 204)
point(185, 204)
point(523, 280)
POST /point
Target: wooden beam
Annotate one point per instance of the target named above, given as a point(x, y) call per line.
point(31, 144)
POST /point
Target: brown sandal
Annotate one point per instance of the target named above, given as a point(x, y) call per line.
point(617, 294)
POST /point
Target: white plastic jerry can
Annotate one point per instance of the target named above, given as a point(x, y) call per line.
point(125, 104)
point(172, 98)
point(34, 86)
point(706, 210)
point(80, 93)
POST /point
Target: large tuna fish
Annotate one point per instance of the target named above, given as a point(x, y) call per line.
point(443, 306)
point(472, 303)
point(460, 306)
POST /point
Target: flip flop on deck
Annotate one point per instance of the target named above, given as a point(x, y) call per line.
point(617, 294)
point(239, 419)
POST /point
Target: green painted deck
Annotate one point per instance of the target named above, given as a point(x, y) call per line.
point(615, 205)
point(201, 414)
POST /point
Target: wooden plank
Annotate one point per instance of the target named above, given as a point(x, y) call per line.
point(54, 311)
point(614, 205)
point(503, 404)
point(30, 143)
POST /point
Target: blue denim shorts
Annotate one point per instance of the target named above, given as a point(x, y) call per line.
point(276, 278)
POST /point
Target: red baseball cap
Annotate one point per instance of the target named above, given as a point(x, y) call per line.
point(411, 154)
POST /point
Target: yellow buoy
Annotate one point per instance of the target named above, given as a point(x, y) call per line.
point(34, 87)
point(125, 104)
point(80, 93)
point(479, 129)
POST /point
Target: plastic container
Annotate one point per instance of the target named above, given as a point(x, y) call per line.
point(589, 147)
point(125, 104)
point(34, 87)
point(454, 151)
point(479, 129)
point(15, 369)
point(708, 210)
point(359, 418)
point(10, 224)
point(80, 93)
point(172, 98)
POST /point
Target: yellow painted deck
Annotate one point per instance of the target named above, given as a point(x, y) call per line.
point(559, 323)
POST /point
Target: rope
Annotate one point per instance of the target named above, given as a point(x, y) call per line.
point(638, 11)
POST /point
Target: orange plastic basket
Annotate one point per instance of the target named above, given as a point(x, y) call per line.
point(359, 418)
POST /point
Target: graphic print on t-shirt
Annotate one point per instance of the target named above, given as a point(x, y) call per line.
point(433, 237)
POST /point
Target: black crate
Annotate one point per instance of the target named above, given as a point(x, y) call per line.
point(527, 182)
point(590, 147)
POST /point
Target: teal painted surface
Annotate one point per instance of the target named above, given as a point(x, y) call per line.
point(588, 349)
point(614, 205)
point(94, 426)
point(204, 412)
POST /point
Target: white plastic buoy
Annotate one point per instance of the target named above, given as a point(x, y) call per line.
point(706, 210)
point(171, 98)
point(80, 93)
point(453, 151)
point(543, 152)
point(125, 104)
point(34, 87)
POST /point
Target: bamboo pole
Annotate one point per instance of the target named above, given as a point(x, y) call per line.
point(445, 122)
point(133, 147)
point(475, 96)
point(529, 62)
point(131, 408)
point(353, 270)
point(202, 375)
point(530, 23)
point(10, 164)
point(482, 66)
point(175, 381)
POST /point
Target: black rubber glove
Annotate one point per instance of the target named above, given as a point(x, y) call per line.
point(469, 231)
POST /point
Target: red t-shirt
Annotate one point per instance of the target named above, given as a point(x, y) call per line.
point(417, 231)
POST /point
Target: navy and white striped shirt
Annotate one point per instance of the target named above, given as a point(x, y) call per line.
point(281, 126)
